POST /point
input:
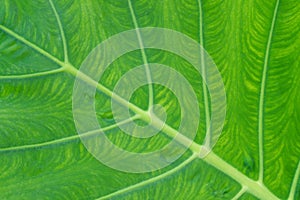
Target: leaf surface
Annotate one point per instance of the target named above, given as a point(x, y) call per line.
point(255, 45)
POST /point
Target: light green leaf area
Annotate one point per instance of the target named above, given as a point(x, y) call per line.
point(255, 45)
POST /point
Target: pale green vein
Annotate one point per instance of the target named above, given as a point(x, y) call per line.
point(144, 56)
point(151, 180)
point(262, 96)
point(31, 45)
point(240, 193)
point(62, 33)
point(66, 139)
point(38, 74)
point(203, 71)
point(294, 183)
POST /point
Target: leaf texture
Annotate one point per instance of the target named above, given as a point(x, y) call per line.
point(255, 45)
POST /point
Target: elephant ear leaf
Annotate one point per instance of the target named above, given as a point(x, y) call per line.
point(254, 44)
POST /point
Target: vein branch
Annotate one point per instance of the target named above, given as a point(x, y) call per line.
point(240, 193)
point(38, 74)
point(32, 45)
point(204, 76)
point(294, 183)
point(262, 96)
point(151, 180)
point(67, 139)
point(144, 56)
point(62, 33)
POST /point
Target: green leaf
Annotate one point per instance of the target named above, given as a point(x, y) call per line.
point(255, 45)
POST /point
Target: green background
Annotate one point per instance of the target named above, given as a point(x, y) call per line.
point(255, 45)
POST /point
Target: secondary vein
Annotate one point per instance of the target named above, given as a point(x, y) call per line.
point(240, 193)
point(144, 56)
point(37, 74)
point(204, 76)
point(262, 96)
point(294, 183)
point(151, 180)
point(66, 139)
point(32, 45)
point(62, 33)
